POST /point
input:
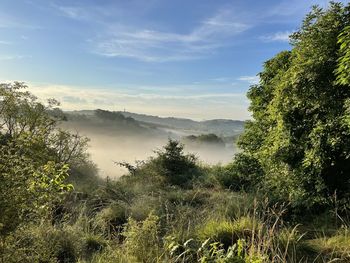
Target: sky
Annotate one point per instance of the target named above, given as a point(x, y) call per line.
point(193, 58)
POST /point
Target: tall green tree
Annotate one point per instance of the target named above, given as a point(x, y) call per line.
point(298, 133)
point(34, 157)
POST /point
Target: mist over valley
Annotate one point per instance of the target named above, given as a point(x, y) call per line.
point(130, 137)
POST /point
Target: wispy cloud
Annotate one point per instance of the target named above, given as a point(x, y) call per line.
point(250, 79)
point(14, 57)
point(154, 45)
point(157, 46)
point(3, 42)
point(75, 12)
point(278, 36)
point(71, 12)
point(89, 95)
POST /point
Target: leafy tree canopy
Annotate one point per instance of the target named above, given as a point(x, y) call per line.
point(34, 157)
point(300, 133)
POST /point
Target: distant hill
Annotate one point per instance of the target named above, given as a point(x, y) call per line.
point(106, 122)
point(220, 127)
point(142, 123)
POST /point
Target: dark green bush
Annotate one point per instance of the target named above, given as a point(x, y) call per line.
point(177, 168)
point(244, 173)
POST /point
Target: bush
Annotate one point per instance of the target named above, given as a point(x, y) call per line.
point(244, 173)
point(43, 243)
point(175, 166)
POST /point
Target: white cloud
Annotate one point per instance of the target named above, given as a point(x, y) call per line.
point(278, 36)
point(148, 43)
point(250, 79)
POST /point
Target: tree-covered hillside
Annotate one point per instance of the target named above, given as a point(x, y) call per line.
point(141, 123)
point(220, 127)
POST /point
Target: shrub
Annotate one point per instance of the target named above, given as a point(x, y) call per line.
point(177, 167)
point(244, 173)
point(42, 243)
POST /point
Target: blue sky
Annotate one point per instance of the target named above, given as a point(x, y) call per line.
point(194, 58)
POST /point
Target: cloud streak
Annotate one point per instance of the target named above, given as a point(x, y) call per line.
point(72, 12)
point(3, 42)
point(250, 79)
point(152, 45)
point(278, 36)
point(14, 57)
point(157, 46)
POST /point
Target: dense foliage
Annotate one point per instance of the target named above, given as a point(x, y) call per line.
point(34, 157)
point(300, 135)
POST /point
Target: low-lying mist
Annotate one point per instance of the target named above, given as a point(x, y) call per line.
point(115, 140)
point(106, 149)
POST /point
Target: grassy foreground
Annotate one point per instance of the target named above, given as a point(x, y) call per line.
point(146, 217)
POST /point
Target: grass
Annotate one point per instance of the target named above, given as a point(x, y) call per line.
point(142, 219)
point(176, 225)
point(336, 246)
